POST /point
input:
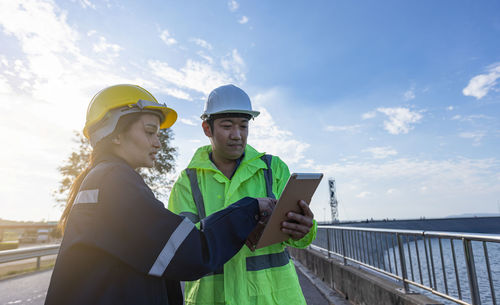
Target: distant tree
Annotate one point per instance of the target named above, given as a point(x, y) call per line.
point(158, 178)
point(72, 167)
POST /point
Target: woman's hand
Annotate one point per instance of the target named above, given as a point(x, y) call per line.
point(266, 207)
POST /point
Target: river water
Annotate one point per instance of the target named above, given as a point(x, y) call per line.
point(444, 276)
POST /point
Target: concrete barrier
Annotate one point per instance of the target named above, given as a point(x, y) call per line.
point(359, 287)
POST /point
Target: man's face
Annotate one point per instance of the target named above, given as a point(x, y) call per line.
point(228, 137)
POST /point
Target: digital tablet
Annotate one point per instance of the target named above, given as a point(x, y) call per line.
point(299, 186)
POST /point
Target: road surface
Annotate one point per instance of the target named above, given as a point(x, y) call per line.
point(32, 288)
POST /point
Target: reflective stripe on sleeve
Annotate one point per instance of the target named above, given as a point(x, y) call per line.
point(87, 196)
point(174, 242)
point(191, 216)
point(266, 261)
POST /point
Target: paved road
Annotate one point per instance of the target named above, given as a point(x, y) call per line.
point(32, 288)
point(25, 289)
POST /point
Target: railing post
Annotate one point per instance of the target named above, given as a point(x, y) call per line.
point(343, 247)
point(471, 272)
point(328, 241)
point(402, 261)
point(38, 258)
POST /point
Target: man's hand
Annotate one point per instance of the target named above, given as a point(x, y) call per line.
point(298, 225)
point(266, 207)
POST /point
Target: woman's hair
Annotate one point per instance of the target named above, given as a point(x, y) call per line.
point(103, 147)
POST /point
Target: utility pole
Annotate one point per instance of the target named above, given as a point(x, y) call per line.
point(334, 204)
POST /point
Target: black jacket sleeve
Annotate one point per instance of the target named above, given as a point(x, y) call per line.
point(133, 226)
point(221, 236)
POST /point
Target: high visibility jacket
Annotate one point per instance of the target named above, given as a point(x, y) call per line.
point(121, 245)
point(266, 276)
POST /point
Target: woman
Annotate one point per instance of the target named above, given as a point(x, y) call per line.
point(121, 246)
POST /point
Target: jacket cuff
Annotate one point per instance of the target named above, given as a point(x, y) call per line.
point(306, 240)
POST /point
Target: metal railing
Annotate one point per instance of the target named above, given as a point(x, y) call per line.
point(433, 261)
point(26, 253)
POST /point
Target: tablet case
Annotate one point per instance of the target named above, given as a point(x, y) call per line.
point(299, 186)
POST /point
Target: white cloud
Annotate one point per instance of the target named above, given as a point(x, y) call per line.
point(346, 128)
point(410, 94)
point(400, 119)
point(4, 61)
point(414, 187)
point(109, 50)
point(58, 69)
point(209, 59)
point(480, 85)
point(449, 108)
point(363, 194)
point(472, 117)
point(175, 93)
point(5, 87)
point(233, 5)
point(381, 152)
point(197, 76)
point(368, 115)
point(156, 86)
point(86, 3)
point(234, 64)
point(265, 134)
point(202, 77)
point(188, 122)
point(476, 136)
point(53, 82)
point(53, 78)
point(202, 43)
point(243, 20)
point(167, 39)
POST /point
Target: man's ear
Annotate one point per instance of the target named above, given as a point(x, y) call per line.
point(206, 129)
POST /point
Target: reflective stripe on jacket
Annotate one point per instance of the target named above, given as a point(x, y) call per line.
point(266, 276)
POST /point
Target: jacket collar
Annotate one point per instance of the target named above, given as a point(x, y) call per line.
point(201, 158)
point(109, 157)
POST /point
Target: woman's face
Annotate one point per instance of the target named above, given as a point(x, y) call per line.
point(140, 144)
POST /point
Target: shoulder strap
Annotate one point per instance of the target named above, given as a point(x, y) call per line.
point(268, 175)
point(195, 191)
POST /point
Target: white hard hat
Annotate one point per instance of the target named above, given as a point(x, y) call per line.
point(228, 99)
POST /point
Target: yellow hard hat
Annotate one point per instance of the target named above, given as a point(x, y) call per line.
point(109, 104)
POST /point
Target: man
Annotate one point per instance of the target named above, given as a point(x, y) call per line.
point(224, 172)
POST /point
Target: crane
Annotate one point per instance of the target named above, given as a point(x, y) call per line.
point(334, 204)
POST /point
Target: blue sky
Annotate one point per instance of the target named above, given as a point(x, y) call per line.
point(399, 101)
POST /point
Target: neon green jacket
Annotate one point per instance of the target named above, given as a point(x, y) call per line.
point(266, 276)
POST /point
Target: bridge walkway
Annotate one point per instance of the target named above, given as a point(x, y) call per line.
point(315, 291)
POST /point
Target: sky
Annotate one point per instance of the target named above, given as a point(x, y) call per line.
point(398, 101)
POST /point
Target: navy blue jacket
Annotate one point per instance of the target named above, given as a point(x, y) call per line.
point(121, 246)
